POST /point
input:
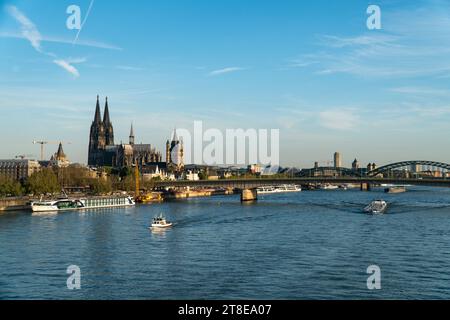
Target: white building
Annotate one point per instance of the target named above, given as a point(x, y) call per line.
point(192, 176)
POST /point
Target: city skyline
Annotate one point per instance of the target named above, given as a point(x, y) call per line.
point(320, 76)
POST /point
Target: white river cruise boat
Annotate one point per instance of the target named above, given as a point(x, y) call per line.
point(279, 189)
point(81, 204)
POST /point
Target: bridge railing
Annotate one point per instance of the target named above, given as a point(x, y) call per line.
point(254, 183)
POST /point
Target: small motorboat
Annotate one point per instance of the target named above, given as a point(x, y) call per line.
point(376, 207)
point(396, 189)
point(160, 223)
point(328, 186)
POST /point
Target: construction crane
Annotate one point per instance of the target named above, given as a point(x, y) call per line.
point(42, 143)
point(326, 163)
point(23, 156)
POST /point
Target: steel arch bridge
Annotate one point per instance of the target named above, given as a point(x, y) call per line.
point(402, 164)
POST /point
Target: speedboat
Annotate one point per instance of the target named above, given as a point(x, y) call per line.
point(395, 189)
point(376, 207)
point(329, 187)
point(160, 223)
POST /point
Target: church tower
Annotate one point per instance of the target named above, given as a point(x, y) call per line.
point(97, 139)
point(109, 131)
point(168, 157)
point(175, 153)
point(131, 135)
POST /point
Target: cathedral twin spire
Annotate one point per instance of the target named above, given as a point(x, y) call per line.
point(102, 132)
point(98, 115)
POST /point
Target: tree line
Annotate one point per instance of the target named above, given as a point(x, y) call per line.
point(53, 180)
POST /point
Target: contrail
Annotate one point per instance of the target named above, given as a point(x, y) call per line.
point(84, 21)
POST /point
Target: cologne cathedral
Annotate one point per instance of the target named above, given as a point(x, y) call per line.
point(103, 151)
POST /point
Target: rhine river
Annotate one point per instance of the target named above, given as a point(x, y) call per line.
point(309, 245)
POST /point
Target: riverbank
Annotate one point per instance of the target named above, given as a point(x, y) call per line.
point(200, 193)
point(23, 203)
point(14, 204)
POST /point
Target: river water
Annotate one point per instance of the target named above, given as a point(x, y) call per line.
point(309, 245)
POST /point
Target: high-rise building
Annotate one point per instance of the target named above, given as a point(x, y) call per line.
point(337, 160)
point(355, 165)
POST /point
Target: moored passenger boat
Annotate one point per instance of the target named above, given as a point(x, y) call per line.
point(81, 204)
point(279, 189)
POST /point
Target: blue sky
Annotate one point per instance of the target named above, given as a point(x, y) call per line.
point(310, 68)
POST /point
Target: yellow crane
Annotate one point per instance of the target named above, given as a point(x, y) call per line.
point(42, 143)
point(146, 197)
point(136, 177)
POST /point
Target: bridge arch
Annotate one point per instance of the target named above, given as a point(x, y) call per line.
point(402, 164)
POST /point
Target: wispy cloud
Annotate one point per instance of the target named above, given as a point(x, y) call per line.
point(225, 70)
point(68, 65)
point(28, 29)
point(414, 43)
point(421, 91)
point(129, 68)
point(361, 40)
point(339, 119)
point(30, 32)
point(301, 63)
point(51, 39)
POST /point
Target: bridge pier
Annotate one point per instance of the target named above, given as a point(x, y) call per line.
point(249, 195)
point(365, 186)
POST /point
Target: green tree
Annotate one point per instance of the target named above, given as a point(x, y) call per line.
point(100, 186)
point(73, 176)
point(42, 182)
point(128, 183)
point(203, 176)
point(125, 172)
point(10, 187)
